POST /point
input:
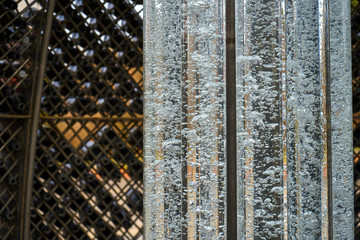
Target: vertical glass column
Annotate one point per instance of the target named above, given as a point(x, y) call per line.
point(294, 119)
point(341, 120)
point(259, 75)
point(184, 119)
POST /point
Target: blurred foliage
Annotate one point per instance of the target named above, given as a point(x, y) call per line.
point(354, 4)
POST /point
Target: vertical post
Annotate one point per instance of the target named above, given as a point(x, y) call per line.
point(33, 127)
point(231, 173)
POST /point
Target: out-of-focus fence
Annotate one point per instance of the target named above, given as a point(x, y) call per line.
point(87, 171)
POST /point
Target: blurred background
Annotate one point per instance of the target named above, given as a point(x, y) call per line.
point(71, 119)
point(87, 160)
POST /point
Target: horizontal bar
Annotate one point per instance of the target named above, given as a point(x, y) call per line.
point(90, 118)
point(10, 116)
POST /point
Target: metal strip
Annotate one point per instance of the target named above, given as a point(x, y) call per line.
point(324, 38)
point(60, 118)
point(24, 233)
point(231, 172)
point(328, 115)
point(9, 116)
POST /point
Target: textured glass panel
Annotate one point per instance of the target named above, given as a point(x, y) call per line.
point(293, 120)
point(341, 120)
point(260, 165)
point(287, 152)
point(184, 120)
point(306, 121)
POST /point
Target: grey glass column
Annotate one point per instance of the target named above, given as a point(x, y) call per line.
point(293, 119)
point(184, 119)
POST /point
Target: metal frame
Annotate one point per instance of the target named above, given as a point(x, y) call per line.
point(21, 24)
point(326, 45)
point(29, 164)
point(231, 167)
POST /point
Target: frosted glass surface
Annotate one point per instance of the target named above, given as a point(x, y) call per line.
point(259, 68)
point(289, 135)
point(293, 117)
point(341, 120)
point(184, 120)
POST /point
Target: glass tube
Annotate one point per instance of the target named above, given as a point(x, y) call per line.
point(184, 120)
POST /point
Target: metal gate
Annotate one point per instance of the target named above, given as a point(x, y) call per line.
point(21, 26)
point(86, 164)
point(88, 159)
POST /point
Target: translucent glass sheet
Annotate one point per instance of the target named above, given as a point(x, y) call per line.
point(294, 134)
point(184, 119)
point(294, 145)
point(341, 120)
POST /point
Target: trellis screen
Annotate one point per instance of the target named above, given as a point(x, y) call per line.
point(88, 158)
point(87, 171)
point(21, 23)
